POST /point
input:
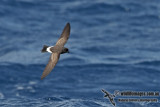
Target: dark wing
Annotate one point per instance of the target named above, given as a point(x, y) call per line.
point(103, 90)
point(51, 64)
point(112, 100)
point(107, 94)
point(64, 36)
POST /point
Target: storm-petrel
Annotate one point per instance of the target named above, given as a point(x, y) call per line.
point(56, 50)
point(111, 97)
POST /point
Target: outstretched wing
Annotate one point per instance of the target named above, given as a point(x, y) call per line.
point(107, 94)
point(64, 36)
point(51, 64)
point(112, 100)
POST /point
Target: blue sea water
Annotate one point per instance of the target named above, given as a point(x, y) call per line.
point(114, 45)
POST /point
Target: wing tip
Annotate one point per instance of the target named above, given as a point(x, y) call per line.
point(42, 77)
point(68, 24)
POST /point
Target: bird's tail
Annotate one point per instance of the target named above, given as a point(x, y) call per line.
point(44, 49)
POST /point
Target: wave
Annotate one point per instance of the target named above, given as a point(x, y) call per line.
point(53, 102)
point(68, 102)
point(75, 62)
point(152, 62)
point(99, 8)
point(22, 66)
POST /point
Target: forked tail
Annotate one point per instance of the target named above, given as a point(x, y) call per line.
point(44, 49)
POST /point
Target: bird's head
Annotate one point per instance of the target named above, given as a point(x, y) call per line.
point(65, 50)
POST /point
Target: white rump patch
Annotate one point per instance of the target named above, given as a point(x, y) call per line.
point(48, 49)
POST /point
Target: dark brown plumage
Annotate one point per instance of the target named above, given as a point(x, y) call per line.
point(110, 97)
point(56, 50)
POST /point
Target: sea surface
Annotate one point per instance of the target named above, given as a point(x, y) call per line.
point(114, 45)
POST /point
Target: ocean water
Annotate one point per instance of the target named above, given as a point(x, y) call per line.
point(114, 45)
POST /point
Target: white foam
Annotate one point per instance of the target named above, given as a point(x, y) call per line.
point(32, 82)
point(1, 96)
point(20, 88)
point(17, 94)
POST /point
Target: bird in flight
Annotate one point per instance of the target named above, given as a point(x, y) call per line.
point(56, 50)
point(110, 97)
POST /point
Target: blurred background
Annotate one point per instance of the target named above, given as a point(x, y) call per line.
point(114, 45)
